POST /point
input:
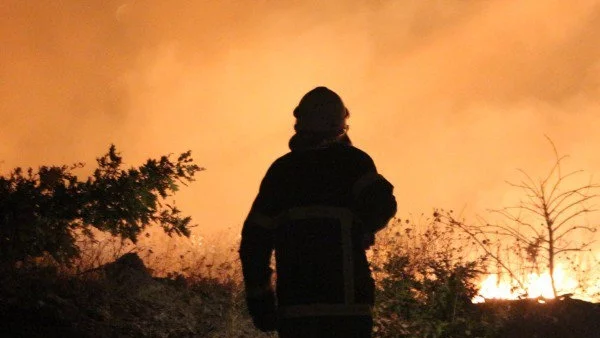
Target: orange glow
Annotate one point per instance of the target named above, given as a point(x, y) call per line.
point(448, 97)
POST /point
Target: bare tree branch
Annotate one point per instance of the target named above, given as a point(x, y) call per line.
point(561, 198)
point(486, 249)
point(518, 220)
point(560, 224)
point(549, 201)
point(578, 249)
point(574, 228)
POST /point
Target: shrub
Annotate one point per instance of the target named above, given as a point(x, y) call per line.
point(44, 211)
point(425, 283)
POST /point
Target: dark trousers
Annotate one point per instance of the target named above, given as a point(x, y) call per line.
point(326, 327)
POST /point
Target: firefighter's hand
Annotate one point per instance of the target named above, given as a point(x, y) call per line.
point(263, 310)
point(368, 240)
point(266, 322)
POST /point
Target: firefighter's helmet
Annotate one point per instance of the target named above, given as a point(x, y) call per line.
point(321, 111)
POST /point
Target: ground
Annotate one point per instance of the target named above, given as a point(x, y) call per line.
point(560, 318)
point(122, 299)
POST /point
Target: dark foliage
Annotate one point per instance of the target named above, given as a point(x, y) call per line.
point(42, 212)
point(40, 302)
point(426, 283)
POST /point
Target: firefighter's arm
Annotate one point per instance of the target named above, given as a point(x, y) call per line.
point(374, 201)
point(256, 249)
point(255, 253)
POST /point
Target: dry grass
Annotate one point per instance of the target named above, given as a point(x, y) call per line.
point(190, 287)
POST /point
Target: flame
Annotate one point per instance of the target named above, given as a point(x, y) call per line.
point(536, 286)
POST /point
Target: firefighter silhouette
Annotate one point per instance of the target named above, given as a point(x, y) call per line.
point(318, 209)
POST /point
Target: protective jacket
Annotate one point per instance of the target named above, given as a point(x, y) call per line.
point(317, 209)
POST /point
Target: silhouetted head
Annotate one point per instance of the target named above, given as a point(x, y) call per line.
point(320, 119)
point(321, 110)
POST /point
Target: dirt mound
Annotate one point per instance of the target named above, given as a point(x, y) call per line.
point(559, 318)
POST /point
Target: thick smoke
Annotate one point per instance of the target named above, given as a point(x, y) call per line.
point(449, 97)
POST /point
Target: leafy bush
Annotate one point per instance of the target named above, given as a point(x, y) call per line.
point(425, 283)
point(44, 211)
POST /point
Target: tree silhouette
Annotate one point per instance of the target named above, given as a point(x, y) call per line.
point(541, 226)
point(43, 212)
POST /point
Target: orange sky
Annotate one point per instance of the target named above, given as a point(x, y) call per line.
point(449, 97)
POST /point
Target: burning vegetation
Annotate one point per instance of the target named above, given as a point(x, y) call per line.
point(541, 246)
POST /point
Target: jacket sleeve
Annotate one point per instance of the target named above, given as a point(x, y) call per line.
point(255, 251)
point(374, 200)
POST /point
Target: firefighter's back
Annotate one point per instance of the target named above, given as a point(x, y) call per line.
point(322, 272)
